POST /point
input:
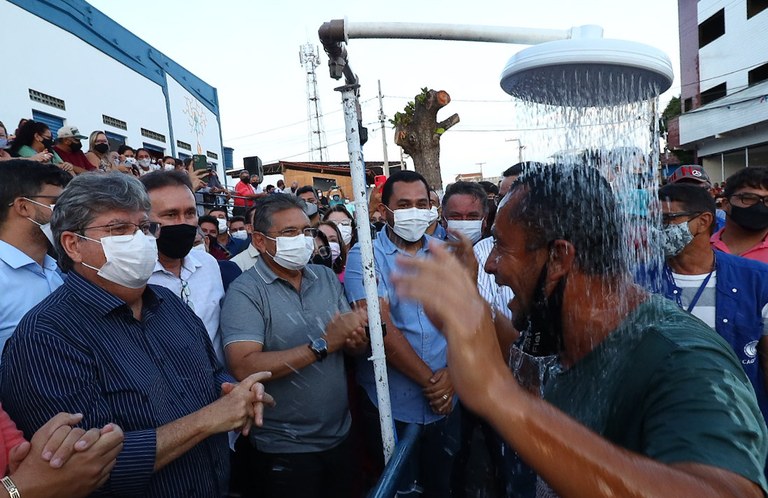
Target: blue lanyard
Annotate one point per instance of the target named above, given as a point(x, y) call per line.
point(699, 292)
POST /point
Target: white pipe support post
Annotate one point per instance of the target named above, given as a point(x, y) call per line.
point(357, 171)
point(461, 32)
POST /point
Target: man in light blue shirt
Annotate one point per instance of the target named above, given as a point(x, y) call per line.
point(28, 190)
point(419, 384)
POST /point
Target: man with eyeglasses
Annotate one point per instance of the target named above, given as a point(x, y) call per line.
point(728, 293)
point(194, 277)
point(289, 317)
point(746, 224)
point(28, 191)
point(115, 349)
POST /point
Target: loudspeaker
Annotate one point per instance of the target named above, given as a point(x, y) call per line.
point(253, 166)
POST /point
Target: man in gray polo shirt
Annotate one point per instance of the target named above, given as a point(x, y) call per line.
point(293, 319)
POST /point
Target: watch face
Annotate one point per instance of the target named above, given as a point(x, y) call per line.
point(319, 344)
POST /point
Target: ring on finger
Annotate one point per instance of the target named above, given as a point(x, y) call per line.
point(445, 397)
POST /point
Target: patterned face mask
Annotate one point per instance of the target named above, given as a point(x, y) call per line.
point(674, 238)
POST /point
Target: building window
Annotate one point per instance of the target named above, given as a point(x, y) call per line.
point(52, 122)
point(47, 99)
point(712, 28)
point(114, 122)
point(713, 93)
point(212, 155)
point(115, 140)
point(183, 145)
point(153, 135)
point(758, 74)
point(688, 104)
point(754, 7)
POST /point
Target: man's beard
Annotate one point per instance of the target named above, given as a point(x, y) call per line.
point(542, 327)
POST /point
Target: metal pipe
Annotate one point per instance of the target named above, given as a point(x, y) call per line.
point(357, 171)
point(387, 485)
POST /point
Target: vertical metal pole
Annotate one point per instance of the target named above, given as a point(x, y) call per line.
point(722, 167)
point(383, 118)
point(357, 170)
point(746, 156)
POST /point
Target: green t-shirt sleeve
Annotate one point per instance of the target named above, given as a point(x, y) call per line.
point(701, 408)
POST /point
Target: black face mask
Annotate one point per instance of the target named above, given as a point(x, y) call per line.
point(176, 241)
point(245, 179)
point(753, 218)
point(319, 259)
point(379, 225)
point(101, 148)
point(47, 143)
point(75, 146)
point(543, 327)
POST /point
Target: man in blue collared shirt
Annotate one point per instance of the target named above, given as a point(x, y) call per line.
point(28, 189)
point(419, 383)
point(110, 346)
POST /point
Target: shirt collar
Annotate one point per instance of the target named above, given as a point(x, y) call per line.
point(190, 264)
point(97, 298)
point(16, 258)
point(252, 251)
point(717, 242)
point(269, 276)
point(389, 247)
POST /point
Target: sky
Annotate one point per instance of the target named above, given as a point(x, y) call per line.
point(249, 51)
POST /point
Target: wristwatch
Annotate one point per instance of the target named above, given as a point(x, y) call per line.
point(319, 347)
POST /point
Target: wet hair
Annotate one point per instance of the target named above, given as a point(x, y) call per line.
point(25, 135)
point(466, 188)
point(753, 176)
point(266, 207)
point(161, 179)
point(89, 195)
point(692, 197)
point(405, 176)
point(24, 178)
point(518, 168)
point(573, 203)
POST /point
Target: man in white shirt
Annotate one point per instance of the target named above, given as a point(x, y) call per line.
point(193, 276)
point(248, 258)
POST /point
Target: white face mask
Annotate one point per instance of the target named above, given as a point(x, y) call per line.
point(411, 223)
point(472, 229)
point(130, 161)
point(433, 215)
point(199, 247)
point(346, 233)
point(222, 225)
point(169, 167)
point(44, 227)
point(335, 250)
point(293, 253)
point(145, 163)
point(130, 259)
point(239, 234)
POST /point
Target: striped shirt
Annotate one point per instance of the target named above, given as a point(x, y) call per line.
point(81, 350)
point(498, 296)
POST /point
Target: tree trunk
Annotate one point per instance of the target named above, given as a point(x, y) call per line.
point(418, 133)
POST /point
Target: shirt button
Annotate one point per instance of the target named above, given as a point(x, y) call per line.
point(734, 290)
point(725, 320)
point(674, 291)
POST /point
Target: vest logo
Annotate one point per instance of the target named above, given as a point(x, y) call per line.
point(750, 351)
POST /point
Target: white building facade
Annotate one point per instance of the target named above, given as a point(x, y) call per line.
point(724, 59)
point(80, 68)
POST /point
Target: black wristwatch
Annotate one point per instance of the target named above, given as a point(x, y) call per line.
point(319, 347)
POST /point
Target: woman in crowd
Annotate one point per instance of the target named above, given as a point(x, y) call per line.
point(4, 155)
point(338, 250)
point(346, 223)
point(98, 151)
point(34, 141)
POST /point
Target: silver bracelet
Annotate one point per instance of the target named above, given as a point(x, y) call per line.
point(13, 491)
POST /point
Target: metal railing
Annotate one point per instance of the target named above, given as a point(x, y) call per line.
point(386, 487)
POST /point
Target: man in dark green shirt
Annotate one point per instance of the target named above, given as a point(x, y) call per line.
point(648, 400)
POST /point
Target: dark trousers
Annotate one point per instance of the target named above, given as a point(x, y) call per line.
point(322, 474)
point(430, 466)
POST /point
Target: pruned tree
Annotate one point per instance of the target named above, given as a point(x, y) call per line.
point(418, 132)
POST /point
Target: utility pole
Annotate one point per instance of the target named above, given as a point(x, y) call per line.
point(520, 148)
point(383, 119)
point(481, 169)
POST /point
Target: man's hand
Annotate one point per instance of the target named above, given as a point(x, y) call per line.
point(440, 392)
point(462, 249)
point(61, 462)
point(196, 177)
point(240, 406)
point(346, 330)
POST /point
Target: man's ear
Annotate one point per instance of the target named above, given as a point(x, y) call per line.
point(71, 245)
point(382, 209)
point(561, 260)
point(704, 223)
point(259, 241)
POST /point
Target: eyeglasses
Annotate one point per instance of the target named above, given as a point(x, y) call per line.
point(346, 223)
point(750, 199)
point(667, 218)
point(293, 232)
point(186, 295)
point(115, 229)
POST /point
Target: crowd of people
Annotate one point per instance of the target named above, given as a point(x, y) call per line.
point(145, 323)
